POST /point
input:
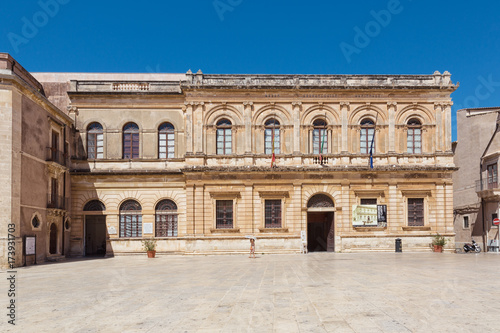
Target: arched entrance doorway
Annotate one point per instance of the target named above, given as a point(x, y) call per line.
point(53, 239)
point(320, 224)
point(95, 228)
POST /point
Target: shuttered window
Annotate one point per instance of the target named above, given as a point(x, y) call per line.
point(272, 136)
point(320, 137)
point(166, 141)
point(224, 137)
point(130, 141)
point(224, 214)
point(95, 141)
point(415, 212)
point(367, 136)
point(273, 213)
point(414, 137)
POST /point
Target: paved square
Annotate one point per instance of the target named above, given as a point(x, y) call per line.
point(318, 292)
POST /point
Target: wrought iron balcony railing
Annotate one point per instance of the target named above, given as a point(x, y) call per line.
point(57, 156)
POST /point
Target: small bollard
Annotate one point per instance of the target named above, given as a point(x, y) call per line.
point(399, 245)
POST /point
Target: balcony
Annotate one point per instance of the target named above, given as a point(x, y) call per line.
point(488, 190)
point(57, 202)
point(56, 156)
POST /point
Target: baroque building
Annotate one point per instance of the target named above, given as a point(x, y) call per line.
point(201, 162)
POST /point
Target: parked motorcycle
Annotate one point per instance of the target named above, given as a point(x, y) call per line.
point(474, 247)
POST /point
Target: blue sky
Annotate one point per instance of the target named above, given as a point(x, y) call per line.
point(257, 36)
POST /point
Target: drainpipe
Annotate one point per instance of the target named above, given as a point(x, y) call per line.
point(65, 152)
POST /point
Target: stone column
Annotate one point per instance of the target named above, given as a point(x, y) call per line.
point(189, 127)
point(439, 125)
point(447, 124)
point(199, 212)
point(344, 107)
point(296, 107)
point(391, 110)
point(248, 127)
point(198, 127)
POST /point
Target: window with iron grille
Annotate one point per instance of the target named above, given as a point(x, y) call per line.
point(415, 212)
point(224, 137)
point(273, 213)
point(224, 214)
point(492, 176)
point(95, 141)
point(320, 137)
point(130, 219)
point(414, 137)
point(272, 136)
point(166, 219)
point(130, 141)
point(166, 141)
point(367, 136)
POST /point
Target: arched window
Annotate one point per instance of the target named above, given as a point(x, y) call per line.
point(130, 141)
point(320, 137)
point(94, 206)
point(367, 136)
point(166, 140)
point(414, 137)
point(95, 141)
point(272, 136)
point(224, 137)
point(130, 219)
point(166, 219)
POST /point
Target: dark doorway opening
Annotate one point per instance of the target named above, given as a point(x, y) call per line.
point(95, 235)
point(53, 239)
point(320, 232)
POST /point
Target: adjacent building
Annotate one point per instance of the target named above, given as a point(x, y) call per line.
point(200, 162)
point(476, 190)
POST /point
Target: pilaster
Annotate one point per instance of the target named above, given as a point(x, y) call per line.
point(391, 110)
point(248, 126)
point(344, 107)
point(296, 107)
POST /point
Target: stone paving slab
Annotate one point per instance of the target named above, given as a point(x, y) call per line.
point(317, 292)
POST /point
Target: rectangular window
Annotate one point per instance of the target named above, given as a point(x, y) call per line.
point(130, 225)
point(365, 143)
point(415, 212)
point(466, 222)
point(224, 141)
point(414, 141)
point(130, 145)
point(368, 201)
point(492, 176)
point(224, 214)
point(166, 225)
point(55, 146)
point(273, 213)
point(320, 141)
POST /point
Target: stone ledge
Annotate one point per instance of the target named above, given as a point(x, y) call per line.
point(231, 230)
point(407, 228)
point(273, 229)
point(370, 228)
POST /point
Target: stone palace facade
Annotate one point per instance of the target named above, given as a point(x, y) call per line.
point(201, 162)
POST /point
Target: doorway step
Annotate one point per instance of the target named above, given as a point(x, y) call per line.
point(56, 258)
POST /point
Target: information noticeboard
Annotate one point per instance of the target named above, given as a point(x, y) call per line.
point(30, 245)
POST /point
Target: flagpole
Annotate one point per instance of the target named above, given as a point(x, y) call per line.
point(371, 144)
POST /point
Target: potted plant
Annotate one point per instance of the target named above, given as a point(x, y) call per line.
point(438, 242)
point(149, 246)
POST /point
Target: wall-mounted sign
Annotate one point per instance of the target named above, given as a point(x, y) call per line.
point(111, 230)
point(369, 215)
point(30, 245)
